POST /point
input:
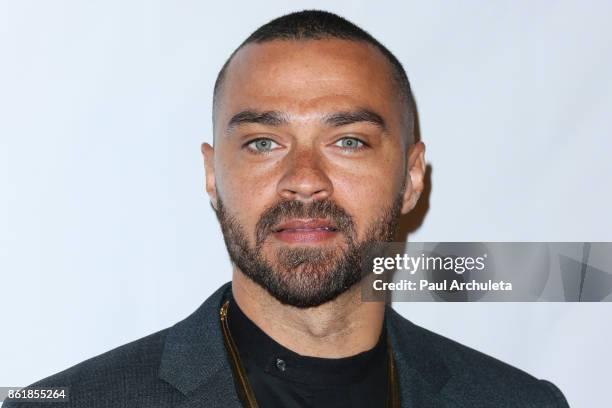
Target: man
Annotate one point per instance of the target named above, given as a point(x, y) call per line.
point(314, 158)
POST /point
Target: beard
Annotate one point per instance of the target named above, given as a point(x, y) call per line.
point(305, 276)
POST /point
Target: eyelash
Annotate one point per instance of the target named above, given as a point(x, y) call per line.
point(255, 151)
point(363, 145)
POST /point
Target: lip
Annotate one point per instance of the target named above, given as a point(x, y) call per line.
point(305, 231)
point(305, 224)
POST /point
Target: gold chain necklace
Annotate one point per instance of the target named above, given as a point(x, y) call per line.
point(246, 392)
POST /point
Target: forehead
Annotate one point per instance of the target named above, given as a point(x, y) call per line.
point(309, 77)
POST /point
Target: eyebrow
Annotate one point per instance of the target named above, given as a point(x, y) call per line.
point(270, 118)
point(356, 116)
point(277, 118)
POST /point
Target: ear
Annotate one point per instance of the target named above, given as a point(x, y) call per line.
point(415, 175)
point(208, 153)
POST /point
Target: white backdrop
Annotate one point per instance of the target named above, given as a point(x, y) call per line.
point(106, 233)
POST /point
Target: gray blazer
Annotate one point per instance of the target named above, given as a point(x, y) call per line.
point(185, 366)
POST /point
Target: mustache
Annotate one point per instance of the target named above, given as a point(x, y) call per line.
point(284, 210)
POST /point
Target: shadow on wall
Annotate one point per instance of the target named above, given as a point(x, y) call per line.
point(413, 220)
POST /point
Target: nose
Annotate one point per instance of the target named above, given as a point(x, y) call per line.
point(304, 178)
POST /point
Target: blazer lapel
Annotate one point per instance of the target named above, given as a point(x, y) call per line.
point(194, 359)
point(422, 374)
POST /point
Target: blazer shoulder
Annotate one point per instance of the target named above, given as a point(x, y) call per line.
point(473, 371)
point(153, 371)
point(111, 376)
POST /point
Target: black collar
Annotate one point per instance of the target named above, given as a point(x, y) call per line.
point(257, 347)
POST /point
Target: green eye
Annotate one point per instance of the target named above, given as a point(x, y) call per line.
point(262, 145)
point(349, 143)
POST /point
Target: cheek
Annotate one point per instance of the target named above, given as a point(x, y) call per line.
point(246, 193)
point(366, 192)
point(241, 176)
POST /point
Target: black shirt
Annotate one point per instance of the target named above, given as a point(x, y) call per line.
point(280, 377)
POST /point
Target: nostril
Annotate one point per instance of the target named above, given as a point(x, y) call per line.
point(305, 184)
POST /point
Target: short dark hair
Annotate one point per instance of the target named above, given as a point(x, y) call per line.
point(320, 25)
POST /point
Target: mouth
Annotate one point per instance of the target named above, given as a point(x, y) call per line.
point(305, 231)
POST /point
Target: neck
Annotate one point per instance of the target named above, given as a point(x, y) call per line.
point(340, 328)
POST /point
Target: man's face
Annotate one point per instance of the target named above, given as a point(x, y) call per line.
point(310, 164)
